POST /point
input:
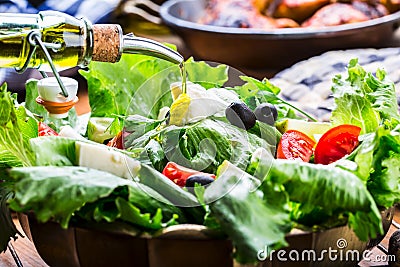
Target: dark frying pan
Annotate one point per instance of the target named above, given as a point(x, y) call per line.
point(269, 51)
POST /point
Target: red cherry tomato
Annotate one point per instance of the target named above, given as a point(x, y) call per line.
point(337, 143)
point(45, 130)
point(179, 174)
point(116, 141)
point(295, 145)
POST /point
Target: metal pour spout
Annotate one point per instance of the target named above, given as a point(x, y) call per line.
point(139, 45)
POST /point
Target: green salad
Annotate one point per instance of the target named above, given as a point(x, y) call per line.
point(229, 157)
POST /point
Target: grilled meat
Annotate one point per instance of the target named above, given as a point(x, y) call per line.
point(241, 14)
point(271, 14)
point(372, 11)
point(298, 10)
point(341, 13)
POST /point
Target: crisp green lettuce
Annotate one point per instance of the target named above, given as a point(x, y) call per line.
point(333, 190)
point(31, 93)
point(208, 77)
point(123, 211)
point(8, 160)
point(136, 126)
point(244, 215)
point(140, 84)
point(364, 100)
point(206, 144)
point(16, 128)
point(378, 163)
point(257, 211)
point(110, 84)
point(53, 151)
point(153, 154)
point(176, 195)
point(66, 190)
point(369, 101)
point(355, 110)
point(383, 96)
point(255, 92)
point(254, 210)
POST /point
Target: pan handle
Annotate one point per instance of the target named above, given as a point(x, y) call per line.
point(146, 9)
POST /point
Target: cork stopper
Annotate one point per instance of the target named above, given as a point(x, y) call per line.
point(107, 42)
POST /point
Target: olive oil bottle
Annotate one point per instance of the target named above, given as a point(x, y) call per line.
point(69, 41)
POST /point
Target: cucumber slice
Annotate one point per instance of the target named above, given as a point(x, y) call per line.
point(97, 129)
point(313, 129)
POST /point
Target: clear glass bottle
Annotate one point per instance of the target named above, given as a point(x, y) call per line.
point(70, 42)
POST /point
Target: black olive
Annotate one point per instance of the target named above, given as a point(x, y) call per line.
point(267, 113)
point(201, 179)
point(167, 116)
point(240, 115)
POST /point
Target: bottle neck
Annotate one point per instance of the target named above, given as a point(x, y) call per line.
point(75, 35)
point(15, 23)
point(109, 43)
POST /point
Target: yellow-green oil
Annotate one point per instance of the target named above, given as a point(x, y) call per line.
point(183, 76)
point(15, 48)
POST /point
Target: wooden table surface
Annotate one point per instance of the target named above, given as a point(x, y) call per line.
point(25, 250)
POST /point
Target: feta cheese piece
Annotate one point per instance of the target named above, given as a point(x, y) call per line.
point(103, 158)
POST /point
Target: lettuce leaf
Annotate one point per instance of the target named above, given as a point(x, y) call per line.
point(122, 211)
point(136, 126)
point(54, 151)
point(332, 189)
point(364, 100)
point(385, 183)
point(66, 190)
point(176, 195)
point(139, 84)
point(110, 84)
point(8, 160)
point(202, 73)
point(244, 215)
point(378, 164)
point(16, 128)
point(207, 144)
point(376, 161)
point(255, 92)
point(383, 95)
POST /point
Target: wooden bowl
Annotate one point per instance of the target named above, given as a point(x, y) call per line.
point(175, 246)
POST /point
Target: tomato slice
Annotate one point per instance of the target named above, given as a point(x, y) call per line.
point(179, 174)
point(337, 143)
point(116, 141)
point(295, 145)
point(45, 130)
